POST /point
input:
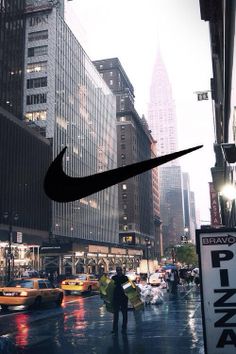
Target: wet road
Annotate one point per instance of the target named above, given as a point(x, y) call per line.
point(82, 325)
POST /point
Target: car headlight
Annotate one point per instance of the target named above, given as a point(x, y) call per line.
point(23, 293)
point(63, 283)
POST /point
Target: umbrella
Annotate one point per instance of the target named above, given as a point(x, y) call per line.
point(169, 266)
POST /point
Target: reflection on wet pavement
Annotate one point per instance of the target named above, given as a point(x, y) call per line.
point(83, 325)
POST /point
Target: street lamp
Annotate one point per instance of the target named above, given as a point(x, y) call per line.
point(148, 246)
point(9, 255)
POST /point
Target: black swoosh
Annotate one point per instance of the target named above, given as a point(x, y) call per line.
point(62, 188)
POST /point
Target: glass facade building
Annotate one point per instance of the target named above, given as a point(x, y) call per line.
point(68, 99)
point(11, 55)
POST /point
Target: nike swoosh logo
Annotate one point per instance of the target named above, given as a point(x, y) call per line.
point(60, 187)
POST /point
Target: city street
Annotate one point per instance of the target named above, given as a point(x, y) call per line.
point(82, 325)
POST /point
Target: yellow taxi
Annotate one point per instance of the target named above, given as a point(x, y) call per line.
point(29, 292)
point(80, 283)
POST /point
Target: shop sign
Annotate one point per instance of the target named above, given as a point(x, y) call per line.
point(118, 250)
point(19, 237)
point(48, 248)
point(135, 252)
point(97, 249)
point(37, 5)
point(217, 261)
point(215, 213)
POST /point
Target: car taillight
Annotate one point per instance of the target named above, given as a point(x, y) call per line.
point(23, 293)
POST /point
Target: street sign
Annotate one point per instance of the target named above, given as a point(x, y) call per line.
point(216, 250)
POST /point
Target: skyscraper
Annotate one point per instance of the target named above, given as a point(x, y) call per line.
point(163, 124)
point(134, 141)
point(12, 27)
point(67, 99)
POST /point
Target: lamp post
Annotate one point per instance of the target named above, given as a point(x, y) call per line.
point(9, 255)
point(148, 246)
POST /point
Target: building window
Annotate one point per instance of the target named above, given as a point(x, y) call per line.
point(125, 227)
point(37, 51)
point(125, 217)
point(123, 146)
point(122, 119)
point(124, 206)
point(128, 239)
point(36, 36)
point(37, 82)
point(36, 99)
point(37, 67)
point(122, 137)
point(111, 82)
point(123, 156)
point(100, 66)
point(37, 115)
point(123, 127)
point(111, 73)
point(124, 186)
point(124, 196)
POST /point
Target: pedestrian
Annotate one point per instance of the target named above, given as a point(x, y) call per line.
point(173, 281)
point(120, 301)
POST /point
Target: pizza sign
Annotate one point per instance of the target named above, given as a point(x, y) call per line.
point(217, 262)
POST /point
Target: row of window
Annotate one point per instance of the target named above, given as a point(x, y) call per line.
point(35, 51)
point(37, 82)
point(36, 116)
point(37, 67)
point(37, 36)
point(36, 99)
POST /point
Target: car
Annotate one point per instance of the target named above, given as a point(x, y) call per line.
point(80, 283)
point(29, 292)
point(156, 279)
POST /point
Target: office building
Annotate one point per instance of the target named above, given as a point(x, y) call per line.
point(163, 124)
point(134, 141)
point(12, 28)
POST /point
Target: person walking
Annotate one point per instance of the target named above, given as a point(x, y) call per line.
point(173, 281)
point(120, 301)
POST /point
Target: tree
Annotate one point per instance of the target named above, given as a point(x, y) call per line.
point(186, 253)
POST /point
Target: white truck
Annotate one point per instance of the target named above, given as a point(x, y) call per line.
point(147, 266)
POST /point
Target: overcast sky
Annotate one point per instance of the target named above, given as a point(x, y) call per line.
point(132, 30)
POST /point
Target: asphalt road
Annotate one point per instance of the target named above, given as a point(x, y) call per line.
point(82, 325)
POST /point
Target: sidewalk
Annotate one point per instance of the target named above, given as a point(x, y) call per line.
point(175, 327)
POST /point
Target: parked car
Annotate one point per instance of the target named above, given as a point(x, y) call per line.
point(29, 292)
point(80, 283)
